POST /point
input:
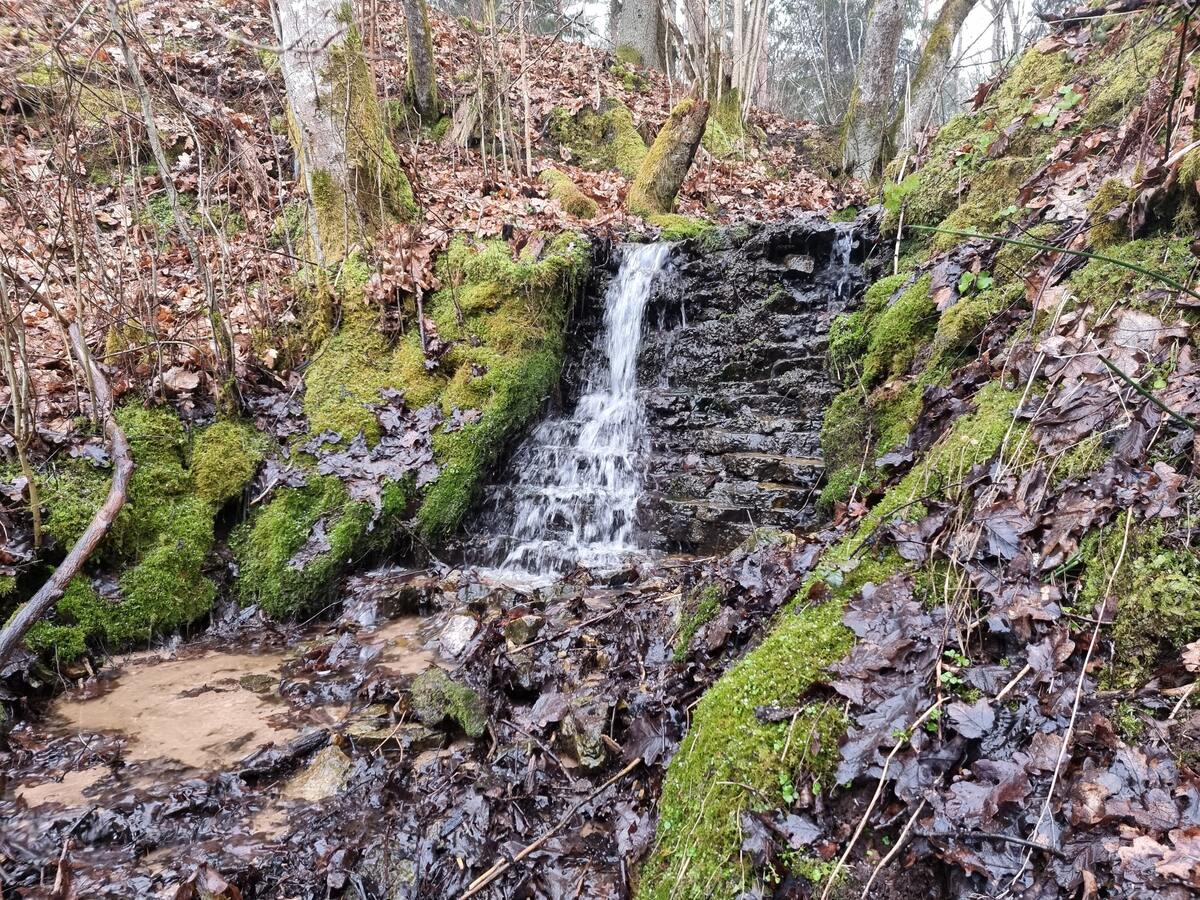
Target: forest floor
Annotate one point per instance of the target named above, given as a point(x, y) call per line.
point(982, 675)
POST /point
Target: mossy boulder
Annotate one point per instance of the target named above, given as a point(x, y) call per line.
point(600, 139)
point(503, 320)
point(568, 194)
point(159, 541)
point(437, 698)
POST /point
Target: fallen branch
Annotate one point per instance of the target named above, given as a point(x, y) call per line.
point(50, 592)
point(501, 867)
point(1177, 416)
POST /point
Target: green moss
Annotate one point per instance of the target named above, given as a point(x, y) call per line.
point(1110, 195)
point(654, 187)
point(1123, 77)
point(273, 572)
point(629, 55)
point(600, 140)
point(568, 194)
point(731, 761)
point(159, 541)
point(225, 456)
point(674, 227)
point(992, 189)
point(960, 326)
point(900, 332)
point(701, 605)
point(382, 191)
point(504, 319)
point(1157, 589)
point(1106, 286)
point(437, 697)
point(725, 133)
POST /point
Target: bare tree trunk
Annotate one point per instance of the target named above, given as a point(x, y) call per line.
point(637, 26)
point(930, 75)
point(350, 167)
point(51, 592)
point(670, 156)
point(422, 67)
point(866, 119)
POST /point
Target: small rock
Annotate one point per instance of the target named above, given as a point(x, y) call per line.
point(410, 736)
point(583, 729)
point(436, 698)
point(325, 776)
point(457, 634)
point(258, 683)
point(523, 629)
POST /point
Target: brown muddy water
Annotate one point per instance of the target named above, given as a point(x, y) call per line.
point(199, 712)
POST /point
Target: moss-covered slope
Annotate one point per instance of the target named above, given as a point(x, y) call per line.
point(501, 321)
point(947, 316)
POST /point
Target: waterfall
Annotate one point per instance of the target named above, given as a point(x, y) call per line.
point(577, 477)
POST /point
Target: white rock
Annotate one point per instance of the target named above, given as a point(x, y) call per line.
point(457, 634)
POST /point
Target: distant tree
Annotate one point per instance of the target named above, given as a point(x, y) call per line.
point(931, 74)
point(421, 84)
point(349, 165)
point(638, 29)
point(866, 121)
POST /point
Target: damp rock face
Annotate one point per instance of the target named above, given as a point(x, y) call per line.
point(732, 373)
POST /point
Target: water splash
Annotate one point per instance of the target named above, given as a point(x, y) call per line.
point(843, 246)
point(578, 477)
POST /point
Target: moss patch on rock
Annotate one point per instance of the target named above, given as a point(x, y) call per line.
point(568, 194)
point(159, 541)
point(504, 319)
point(600, 140)
point(437, 698)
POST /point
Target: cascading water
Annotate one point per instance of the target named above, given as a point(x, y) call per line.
point(577, 478)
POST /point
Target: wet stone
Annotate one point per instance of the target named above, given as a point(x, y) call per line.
point(457, 634)
point(324, 776)
point(521, 630)
point(437, 698)
point(258, 683)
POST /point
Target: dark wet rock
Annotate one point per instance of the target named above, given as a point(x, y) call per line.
point(520, 631)
point(732, 373)
point(583, 728)
point(437, 698)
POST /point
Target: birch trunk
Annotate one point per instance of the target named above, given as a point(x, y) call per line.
point(349, 165)
point(866, 120)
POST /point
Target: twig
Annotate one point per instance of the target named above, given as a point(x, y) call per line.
point(1177, 416)
point(501, 867)
point(1050, 248)
point(882, 864)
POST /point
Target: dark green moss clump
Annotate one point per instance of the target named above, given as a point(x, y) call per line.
point(160, 540)
point(1157, 589)
point(731, 761)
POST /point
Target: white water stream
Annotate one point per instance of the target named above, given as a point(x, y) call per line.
point(577, 478)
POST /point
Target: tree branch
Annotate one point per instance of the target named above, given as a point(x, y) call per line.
point(50, 592)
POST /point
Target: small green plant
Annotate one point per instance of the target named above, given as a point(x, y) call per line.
point(1068, 98)
point(933, 720)
point(956, 658)
point(787, 789)
point(974, 281)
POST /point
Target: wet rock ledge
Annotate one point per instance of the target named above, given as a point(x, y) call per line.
point(733, 373)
